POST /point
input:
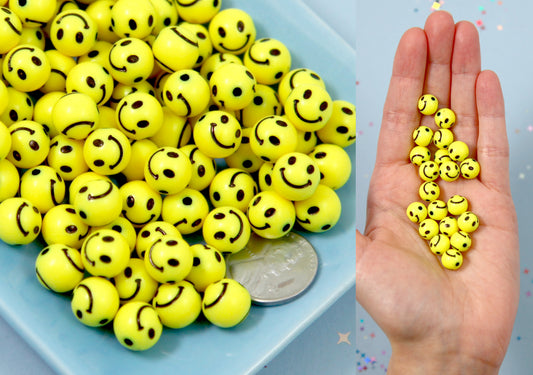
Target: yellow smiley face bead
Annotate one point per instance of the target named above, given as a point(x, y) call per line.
point(268, 59)
point(59, 268)
point(217, 134)
point(442, 155)
point(458, 151)
point(208, 266)
point(42, 186)
point(419, 154)
point(272, 137)
point(186, 93)
point(439, 244)
point(107, 151)
point(470, 168)
point(429, 191)
point(232, 31)
point(308, 107)
point(137, 326)
point(95, 301)
point(416, 212)
point(457, 205)
point(448, 226)
point(232, 187)
point(452, 259)
point(135, 283)
point(75, 115)
point(26, 68)
point(226, 229)
point(98, 202)
point(168, 170)
point(21, 221)
point(226, 303)
point(177, 304)
point(320, 212)
point(272, 216)
point(140, 203)
point(168, 259)
point(340, 128)
point(175, 41)
point(428, 171)
point(445, 118)
point(461, 241)
point(133, 18)
point(437, 210)
point(423, 136)
point(443, 138)
point(150, 233)
point(295, 176)
point(61, 224)
point(232, 86)
point(428, 228)
point(105, 253)
point(449, 171)
point(29, 144)
point(139, 115)
point(428, 104)
point(73, 32)
point(468, 222)
point(131, 61)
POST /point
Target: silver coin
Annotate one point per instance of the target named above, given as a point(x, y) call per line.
point(274, 271)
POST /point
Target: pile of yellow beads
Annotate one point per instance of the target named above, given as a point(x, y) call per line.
point(127, 125)
point(447, 225)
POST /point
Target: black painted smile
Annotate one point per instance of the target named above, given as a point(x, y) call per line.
point(176, 297)
point(259, 62)
point(296, 101)
point(233, 239)
point(152, 216)
point(8, 21)
point(213, 135)
point(294, 186)
point(236, 49)
point(135, 292)
point(224, 289)
point(77, 123)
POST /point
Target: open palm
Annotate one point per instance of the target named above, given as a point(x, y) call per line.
point(453, 318)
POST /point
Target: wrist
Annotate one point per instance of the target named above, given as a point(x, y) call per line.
point(414, 359)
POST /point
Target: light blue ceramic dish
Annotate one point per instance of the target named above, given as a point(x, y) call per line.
point(45, 320)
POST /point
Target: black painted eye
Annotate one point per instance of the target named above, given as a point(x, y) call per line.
point(240, 26)
point(222, 32)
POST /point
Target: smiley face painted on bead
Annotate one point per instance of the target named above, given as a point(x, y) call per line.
point(461, 241)
point(42, 186)
point(133, 18)
point(168, 259)
point(428, 228)
point(470, 168)
point(227, 229)
point(92, 79)
point(449, 171)
point(139, 115)
point(244, 158)
point(73, 32)
point(152, 232)
point(468, 222)
point(320, 212)
point(226, 303)
point(270, 215)
point(10, 29)
point(443, 138)
point(428, 171)
point(416, 212)
point(75, 115)
point(61, 224)
point(458, 151)
point(232, 31)
point(140, 203)
point(176, 41)
point(437, 210)
point(204, 168)
point(107, 151)
point(168, 170)
point(419, 155)
point(428, 104)
point(295, 176)
point(131, 61)
point(105, 253)
point(135, 283)
point(442, 155)
point(448, 226)
point(439, 244)
point(445, 118)
point(98, 202)
point(186, 93)
point(297, 77)
point(429, 191)
point(177, 304)
point(22, 221)
point(452, 259)
point(308, 107)
point(186, 210)
point(208, 266)
point(124, 227)
point(26, 68)
point(34, 13)
point(59, 268)
point(272, 137)
point(340, 128)
point(198, 11)
point(232, 86)
point(423, 135)
point(457, 205)
point(268, 59)
point(137, 326)
point(217, 134)
point(95, 301)
point(29, 144)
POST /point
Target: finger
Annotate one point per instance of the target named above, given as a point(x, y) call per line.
point(492, 145)
point(400, 113)
point(466, 65)
point(440, 29)
point(361, 243)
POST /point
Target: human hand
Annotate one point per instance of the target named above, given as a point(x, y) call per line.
point(440, 321)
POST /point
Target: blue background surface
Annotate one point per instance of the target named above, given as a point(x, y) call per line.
point(326, 346)
point(505, 30)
